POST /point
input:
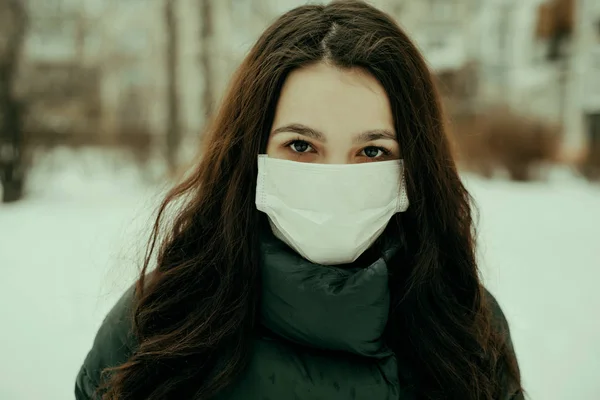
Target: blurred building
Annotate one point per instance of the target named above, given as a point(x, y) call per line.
point(446, 33)
point(132, 64)
point(134, 61)
point(537, 57)
point(110, 57)
point(59, 79)
point(443, 29)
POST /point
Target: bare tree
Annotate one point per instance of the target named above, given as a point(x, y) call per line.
point(81, 29)
point(172, 60)
point(206, 43)
point(13, 25)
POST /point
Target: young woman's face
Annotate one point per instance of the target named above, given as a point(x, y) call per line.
point(329, 115)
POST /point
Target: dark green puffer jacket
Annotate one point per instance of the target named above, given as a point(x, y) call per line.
point(320, 337)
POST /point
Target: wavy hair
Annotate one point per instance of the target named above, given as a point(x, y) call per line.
point(195, 316)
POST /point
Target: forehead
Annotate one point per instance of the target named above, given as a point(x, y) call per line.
point(333, 100)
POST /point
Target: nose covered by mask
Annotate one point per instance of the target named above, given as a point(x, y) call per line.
point(330, 213)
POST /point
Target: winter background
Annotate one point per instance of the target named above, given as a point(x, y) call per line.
point(74, 242)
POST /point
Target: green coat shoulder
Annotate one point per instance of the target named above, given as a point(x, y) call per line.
point(513, 392)
point(113, 345)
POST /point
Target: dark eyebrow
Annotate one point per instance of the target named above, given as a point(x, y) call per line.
point(301, 130)
point(376, 134)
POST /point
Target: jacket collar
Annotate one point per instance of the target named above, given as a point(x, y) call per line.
point(341, 308)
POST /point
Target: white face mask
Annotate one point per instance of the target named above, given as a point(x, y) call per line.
point(329, 213)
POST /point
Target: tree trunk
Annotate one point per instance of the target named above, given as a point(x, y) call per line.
point(80, 33)
point(172, 60)
point(206, 42)
point(12, 168)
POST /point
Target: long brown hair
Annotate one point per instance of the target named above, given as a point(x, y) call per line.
point(195, 317)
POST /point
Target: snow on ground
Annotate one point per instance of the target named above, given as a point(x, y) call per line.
point(540, 254)
point(68, 251)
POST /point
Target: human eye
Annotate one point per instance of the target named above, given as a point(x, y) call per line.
point(375, 152)
point(299, 146)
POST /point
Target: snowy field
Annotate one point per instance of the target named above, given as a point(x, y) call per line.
point(68, 251)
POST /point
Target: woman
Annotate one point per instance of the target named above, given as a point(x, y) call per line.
point(295, 267)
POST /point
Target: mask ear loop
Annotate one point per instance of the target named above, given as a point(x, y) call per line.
point(402, 200)
point(260, 180)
